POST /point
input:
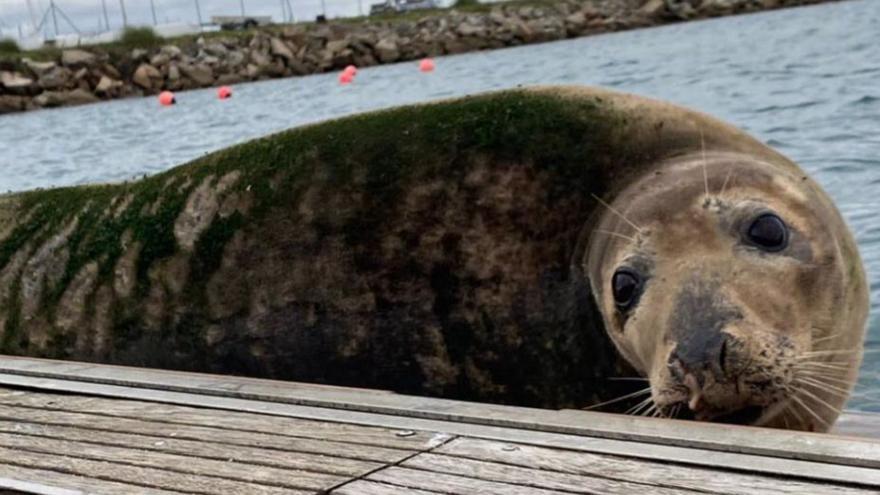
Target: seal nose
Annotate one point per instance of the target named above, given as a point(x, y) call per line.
point(703, 357)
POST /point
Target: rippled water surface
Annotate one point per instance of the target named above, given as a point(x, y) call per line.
point(806, 81)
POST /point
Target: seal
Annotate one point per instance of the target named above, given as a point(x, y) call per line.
point(521, 247)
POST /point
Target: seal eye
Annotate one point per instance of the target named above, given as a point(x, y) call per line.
point(768, 232)
point(626, 286)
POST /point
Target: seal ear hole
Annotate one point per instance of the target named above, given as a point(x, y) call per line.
point(626, 287)
point(768, 232)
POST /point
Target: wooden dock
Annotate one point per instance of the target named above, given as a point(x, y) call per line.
point(72, 428)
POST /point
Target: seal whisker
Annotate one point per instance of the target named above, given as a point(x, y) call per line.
point(616, 234)
point(705, 171)
point(645, 390)
point(619, 214)
point(810, 411)
point(839, 352)
point(839, 365)
point(726, 178)
point(822, 386)
point(825, 339)
point(641, 405)
point(825, 378)
point(793, 410)
point(627, 378)
point(819, 400)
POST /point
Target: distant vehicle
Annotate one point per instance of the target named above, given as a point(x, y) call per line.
point(397, 6)
point(236, 22)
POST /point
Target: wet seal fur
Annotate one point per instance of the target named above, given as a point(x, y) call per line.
point(457, 249)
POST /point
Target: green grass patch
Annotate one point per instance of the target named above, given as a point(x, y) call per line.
point(9, 47)
point(140, 37)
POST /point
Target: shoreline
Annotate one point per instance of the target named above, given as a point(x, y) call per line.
point(106, 72)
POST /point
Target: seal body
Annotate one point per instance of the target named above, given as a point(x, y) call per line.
point(454, 249)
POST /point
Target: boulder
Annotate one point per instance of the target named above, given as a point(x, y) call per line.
point(57, 78)
point(12, 103)
point(77, 58)
point(147, 77)
point(334, 47)
point(280, 49)
point(160, 59)
point(139, 55)
point(78, 96)
point(38, 68)
point(111, 71)
point(216, 49)
point(15, 83)
point(653, 8)
point(201, 74)
point(172, 51)
point(226, 79)
point(49, 99)
point(107, 86)
point(387, 50)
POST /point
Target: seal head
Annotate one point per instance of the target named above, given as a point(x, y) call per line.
point(734, 286)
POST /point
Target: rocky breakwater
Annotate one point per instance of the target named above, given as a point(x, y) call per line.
point(78, 76)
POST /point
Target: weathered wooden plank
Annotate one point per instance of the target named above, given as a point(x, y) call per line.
point(537, 478)
point(725, 438)
point(239, 470)
point(452, 484)
point(200, 433)
point(666, 453)
point(45, 482)
point(136, 475)
point(629, 470)
point(209, 450)
point(166, 413)
point(363, 487)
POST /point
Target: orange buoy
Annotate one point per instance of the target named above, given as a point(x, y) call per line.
point(166, 98)
point(346, 77)
point(426, 65)
point(224, 92)
point(351, 69)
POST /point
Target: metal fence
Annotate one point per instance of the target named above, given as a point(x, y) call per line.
point(34, 21)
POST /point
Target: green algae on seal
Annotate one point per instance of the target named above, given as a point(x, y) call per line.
point(452, 249)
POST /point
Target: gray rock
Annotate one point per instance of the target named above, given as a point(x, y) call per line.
point(10, 103)
point(235, 58)
point(147, 76)
point(337, 46)
point(13, 81)
point(467, 29)
point(280, 49)
point(260, 59)
point(173, 72)
point(216, 49)
point(387, 50)
point(78, 97)
point(201, 74)
point(107, 86)
point(77, 58)
point(139, 55)
point(111, 71)
point(57, 78)
point(49, 99)
point(172, 51)
point(38, 68)
point(653, 8)
point(160, 59)
point(226, 79)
